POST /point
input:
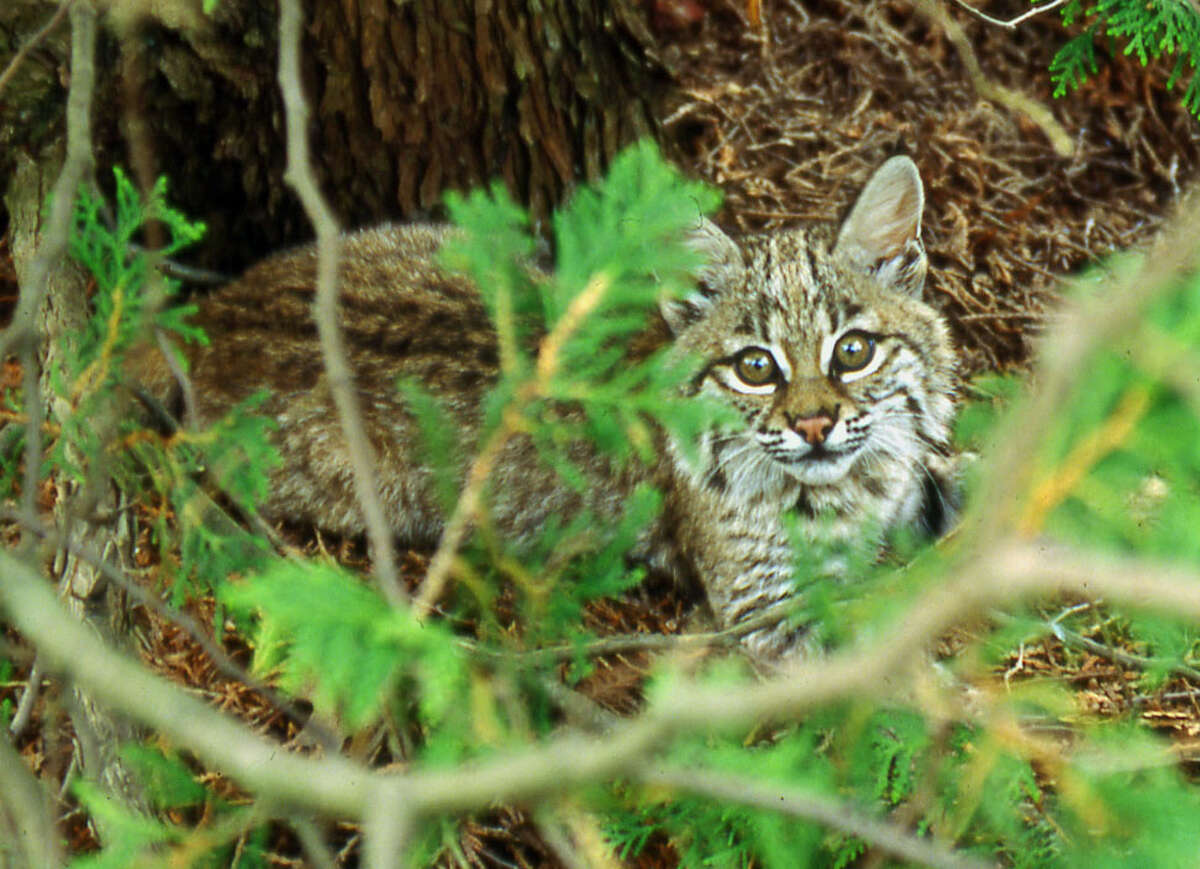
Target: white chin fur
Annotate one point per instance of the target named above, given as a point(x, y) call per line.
point(820, 472)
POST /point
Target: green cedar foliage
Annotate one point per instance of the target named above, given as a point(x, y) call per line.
point(227, 836)
point(237, 839)
point(1120, 470)
point(1119, 473)
point(1148, 29)
point(7, 707)
point(617, 254)
point(234, 456)
point(336, 640)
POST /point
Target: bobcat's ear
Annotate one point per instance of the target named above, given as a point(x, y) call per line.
point(722, 270)
point(882, 235)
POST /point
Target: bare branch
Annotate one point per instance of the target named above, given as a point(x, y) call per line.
point(24, 713)
point(333, 785)
point(23, 798)
point(824, 810)
point(300, 177)
point(1011, 99)
point(314, 845)
point(78, 163)
point(574, 838)
point(1097, 322)
point(388, 826)
point(31, 478)
point(224, 664)
point(998, 570)
point(33, 42)
point(21, 335)
point(336, 786)
point(1011, 23)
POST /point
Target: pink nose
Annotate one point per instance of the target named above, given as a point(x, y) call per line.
point(813, 428)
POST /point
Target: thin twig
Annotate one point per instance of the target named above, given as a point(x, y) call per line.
point(172, 359)
point(31, 478)
point(24, 713)
point(299, 176)
point(1143, 699)
point(1118, 656)
point(464, 514)
point(1011, 23)
point(335, 786)
point(582, 711)
point(1011, 99)
point(1106, 438)
point(568, 324)
point(189, 274)
point(1001, 571)
point(313, 844)
point(26, 803)
point(1126, 659)
point(22, 334)
point(825, 810)
point(33, 42)
point(1077, 640)
point(224, 664)
point(555, 835)
point(466, 509)
point(574, 838)
point(620, 643)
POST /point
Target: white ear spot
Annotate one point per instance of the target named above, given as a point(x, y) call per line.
point(882, 233)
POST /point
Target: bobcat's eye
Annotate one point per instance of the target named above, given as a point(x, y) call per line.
point(756, 367)
point(853, 352)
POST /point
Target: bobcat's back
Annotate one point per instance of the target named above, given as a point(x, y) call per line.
point(402, 316)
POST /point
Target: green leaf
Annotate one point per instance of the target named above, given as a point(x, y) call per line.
point(1150, 29)
point(329, 634)
point(129, 832)
point(167, 781)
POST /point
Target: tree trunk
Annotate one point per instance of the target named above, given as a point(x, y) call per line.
point(409, 99)
point(86, 512)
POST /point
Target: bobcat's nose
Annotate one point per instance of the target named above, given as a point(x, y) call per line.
point(813, 428)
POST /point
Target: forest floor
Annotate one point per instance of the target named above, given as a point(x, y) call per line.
point(788, 119)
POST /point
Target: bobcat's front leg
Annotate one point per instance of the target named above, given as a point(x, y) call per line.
point(742, 556)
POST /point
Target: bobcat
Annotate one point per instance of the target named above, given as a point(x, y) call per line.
point(817, 336)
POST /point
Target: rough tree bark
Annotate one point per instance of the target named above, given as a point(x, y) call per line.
point(409, 99)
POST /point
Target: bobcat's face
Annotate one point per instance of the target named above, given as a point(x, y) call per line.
point(831, 372)
point(823, 347)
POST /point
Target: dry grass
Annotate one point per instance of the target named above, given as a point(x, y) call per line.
point(790, 121)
